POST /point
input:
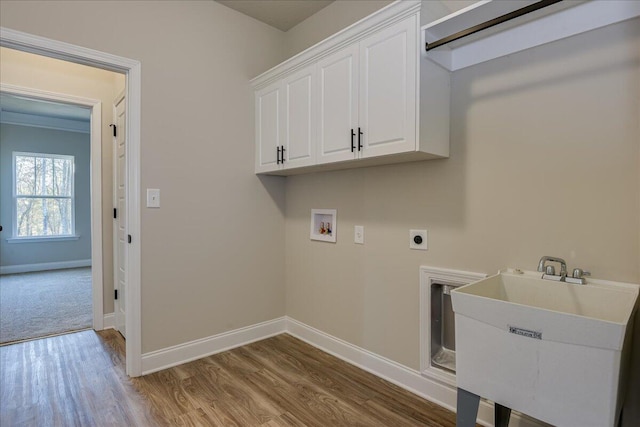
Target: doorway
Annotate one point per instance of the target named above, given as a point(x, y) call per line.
point(46, 205)
point(132, 70)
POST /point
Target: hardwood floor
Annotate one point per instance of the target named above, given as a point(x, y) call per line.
point(79, 380)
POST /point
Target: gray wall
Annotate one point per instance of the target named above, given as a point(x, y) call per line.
point(213, 254)
point(39, 140)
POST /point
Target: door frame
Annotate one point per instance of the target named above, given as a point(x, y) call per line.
point(132, 70)
point(95, 135)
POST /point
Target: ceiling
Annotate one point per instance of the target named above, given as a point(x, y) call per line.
point(36, 107)
point(281, 14)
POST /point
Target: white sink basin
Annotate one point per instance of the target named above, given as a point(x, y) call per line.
point(552, 350)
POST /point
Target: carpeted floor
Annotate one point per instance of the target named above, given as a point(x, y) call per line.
point(44, 303)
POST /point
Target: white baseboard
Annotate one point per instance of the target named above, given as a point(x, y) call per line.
point(400, 375)
point(409, 379)
point(43, 266)
point(109, 321)
point(183, 353)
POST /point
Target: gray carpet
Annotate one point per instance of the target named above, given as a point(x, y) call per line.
point(44, 303)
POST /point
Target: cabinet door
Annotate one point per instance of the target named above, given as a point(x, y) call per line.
point(300, 118)
point(268, 127)
point(388, 85)
point(337, 105)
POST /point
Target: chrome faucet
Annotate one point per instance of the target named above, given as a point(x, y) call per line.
point(549, 272)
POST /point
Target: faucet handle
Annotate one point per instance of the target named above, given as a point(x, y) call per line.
point(578, 273)
point(550, 270)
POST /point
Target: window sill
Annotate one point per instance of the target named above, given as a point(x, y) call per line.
point(41, 239)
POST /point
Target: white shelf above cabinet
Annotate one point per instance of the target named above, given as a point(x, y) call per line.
point(560, 20)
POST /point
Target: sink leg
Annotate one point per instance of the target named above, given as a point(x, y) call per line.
point(502, 415)
point(467, 410)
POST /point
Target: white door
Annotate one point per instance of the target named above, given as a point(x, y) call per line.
point(388, 89)
point(120, 220)
point(300, 118)
point(338, 106)
point(268, 127)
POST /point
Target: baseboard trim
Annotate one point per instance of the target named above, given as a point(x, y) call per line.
point(109, 321)
point(409, 379)
point(43, 266)
point(187, 352)
point(400, 375)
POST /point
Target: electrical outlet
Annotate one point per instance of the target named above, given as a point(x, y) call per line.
point(358, 234)
point(418, 240)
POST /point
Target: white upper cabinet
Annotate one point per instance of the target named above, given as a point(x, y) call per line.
point(367, 96)
point(353, 100)
point(338, 105)
point(299, 139)
point(388, 90)
point(268, 127)
point(285, 123)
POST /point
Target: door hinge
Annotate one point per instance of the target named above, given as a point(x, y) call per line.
point(115, 213)
point(129, 238)
point(114, 129)
point(116, 292)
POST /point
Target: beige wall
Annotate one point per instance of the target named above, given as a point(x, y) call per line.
point(212, 255)
point(342, 13)
point(38, 72)
point(327, 21)
point(544, 161)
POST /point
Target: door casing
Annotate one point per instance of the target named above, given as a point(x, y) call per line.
point(132, 69)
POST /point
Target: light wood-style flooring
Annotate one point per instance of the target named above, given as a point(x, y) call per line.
point(79, 380)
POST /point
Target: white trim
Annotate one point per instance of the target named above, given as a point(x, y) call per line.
point(132, 68)
point(183, 353)
point(429, 275)
point(109, 321)
point(42, 239)
point(400, 375)
point(36, 121)
point(95, 136)
point(44, 266)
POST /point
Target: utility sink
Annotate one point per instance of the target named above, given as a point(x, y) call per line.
point(553, 350)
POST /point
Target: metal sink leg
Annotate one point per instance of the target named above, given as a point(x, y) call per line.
point(467, 410)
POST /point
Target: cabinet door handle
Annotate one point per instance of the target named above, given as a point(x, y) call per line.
point(277, 155)
point(359, 139)
point(353, 135)
point(282, 153)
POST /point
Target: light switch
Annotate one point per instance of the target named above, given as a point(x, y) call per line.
point(358, 235)
point(153, 197)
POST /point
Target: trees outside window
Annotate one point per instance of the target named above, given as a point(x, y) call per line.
point(43, 195)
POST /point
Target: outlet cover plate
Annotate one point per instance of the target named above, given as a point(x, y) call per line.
point(423, 246)
point(153, 198)
point(358, 234)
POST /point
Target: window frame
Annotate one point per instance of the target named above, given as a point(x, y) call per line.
point(42, 238)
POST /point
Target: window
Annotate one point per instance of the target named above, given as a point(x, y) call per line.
point(44, 202)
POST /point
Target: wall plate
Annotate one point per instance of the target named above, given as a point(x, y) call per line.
point(358, 234)
point(418, 240)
